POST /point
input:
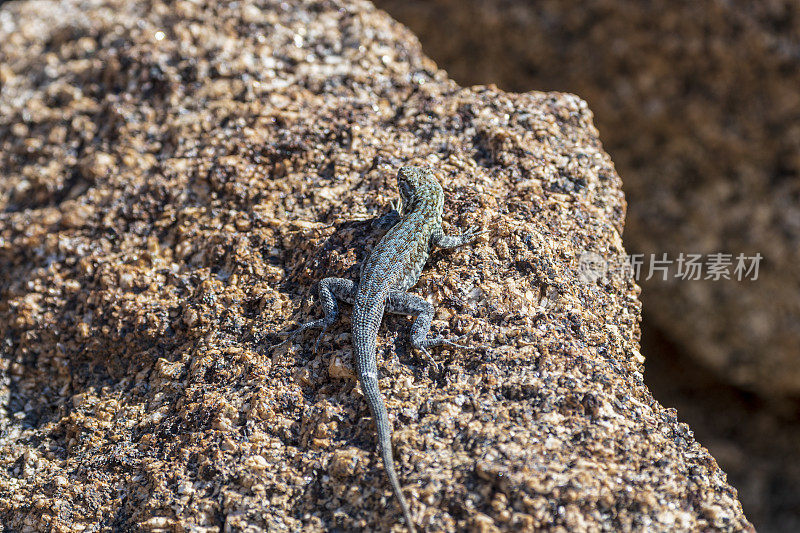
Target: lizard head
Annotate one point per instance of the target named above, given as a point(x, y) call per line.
point(414, 182)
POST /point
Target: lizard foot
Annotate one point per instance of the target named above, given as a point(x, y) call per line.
point(313, 324)
point(436, 368)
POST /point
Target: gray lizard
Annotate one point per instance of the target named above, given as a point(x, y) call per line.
point(393, 267)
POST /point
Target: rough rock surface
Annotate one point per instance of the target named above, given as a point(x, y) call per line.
point(677, 144)
point(176, 177)
point(754, 440)
point(697, 103)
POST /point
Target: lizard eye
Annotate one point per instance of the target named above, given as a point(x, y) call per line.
point(405, 189)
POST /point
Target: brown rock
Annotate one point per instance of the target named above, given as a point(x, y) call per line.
point(753, 440)
point(245, 146)
point(697, 102)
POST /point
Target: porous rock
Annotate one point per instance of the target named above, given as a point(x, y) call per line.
point(697, 103)
point(175, 179)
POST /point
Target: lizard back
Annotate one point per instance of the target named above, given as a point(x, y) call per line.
point(397, 261)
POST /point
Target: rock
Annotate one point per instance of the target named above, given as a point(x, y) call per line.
point(698, 104)
point(213, 162)
point(754, 441)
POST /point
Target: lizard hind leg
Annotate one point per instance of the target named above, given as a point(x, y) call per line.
point(330, 290)
point(403, 303)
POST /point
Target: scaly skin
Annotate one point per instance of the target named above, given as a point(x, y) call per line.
point(393, 267)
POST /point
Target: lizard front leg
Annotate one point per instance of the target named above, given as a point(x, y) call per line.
point(388, 220)
point(330, 290)
point(441, 240)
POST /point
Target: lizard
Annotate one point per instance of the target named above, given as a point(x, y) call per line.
point(393, 267)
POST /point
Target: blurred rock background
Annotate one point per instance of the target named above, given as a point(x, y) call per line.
point(698, 105)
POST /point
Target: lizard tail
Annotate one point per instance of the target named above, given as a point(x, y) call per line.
point(367, 314)
point(369, 383)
